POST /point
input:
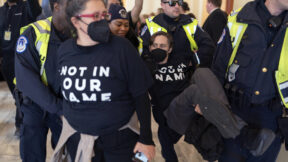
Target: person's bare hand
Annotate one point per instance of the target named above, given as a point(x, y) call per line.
point(198, 110)
point(147, 150)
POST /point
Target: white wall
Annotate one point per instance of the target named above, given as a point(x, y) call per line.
point(239, 3)
point(196, 6)
point(1, 2)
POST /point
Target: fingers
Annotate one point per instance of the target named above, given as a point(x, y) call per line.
point(150, 152)
point(147, 150)
point(198, 110)
point(136, 147)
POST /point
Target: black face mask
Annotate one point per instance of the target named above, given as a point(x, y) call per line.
point(99, 31)
point(159, 55)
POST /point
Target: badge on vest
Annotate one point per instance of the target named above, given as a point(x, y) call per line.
point(143, 30)
point(7, 35)
point(21, 44)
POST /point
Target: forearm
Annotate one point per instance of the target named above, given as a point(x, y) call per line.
point(135, 13)
point(143, 111)
point(31, 86)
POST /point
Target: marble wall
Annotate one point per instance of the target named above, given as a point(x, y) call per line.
point(196, 6)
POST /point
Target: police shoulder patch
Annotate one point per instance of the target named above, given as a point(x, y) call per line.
point(21, 44)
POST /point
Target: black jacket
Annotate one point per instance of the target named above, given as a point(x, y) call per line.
point(17, 16)
point(215, 24)
point(205, 137)
point(27, 71)
point(206, 91)
point(204, 134)
point(181, 47)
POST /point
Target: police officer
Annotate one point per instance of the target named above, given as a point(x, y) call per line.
point(187, 35)
point(14, 15)
point(250, 62)
point(35, 69)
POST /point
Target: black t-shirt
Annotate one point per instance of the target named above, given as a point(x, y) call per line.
point(99, 83)
point(170, 80)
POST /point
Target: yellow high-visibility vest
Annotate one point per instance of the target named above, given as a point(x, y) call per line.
point(140, 46)
point(190, 30)
point(237, 31)
point(42, 30)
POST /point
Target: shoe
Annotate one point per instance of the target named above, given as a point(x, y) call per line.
point(17, 132)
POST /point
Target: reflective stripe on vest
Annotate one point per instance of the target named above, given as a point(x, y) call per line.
point(140, 46)
point(281, 75)
point(237, 31)
point(42, 30)
point(190, 30)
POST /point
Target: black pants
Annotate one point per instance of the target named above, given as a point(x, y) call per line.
point(34, 130)
point(167, 137)
point(7, 69)
point(117, 146)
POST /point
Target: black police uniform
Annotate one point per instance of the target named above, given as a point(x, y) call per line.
point(100, 85)
point(170, 80)
point(253, 93)
point(12, 19)
point(181, 47)
point(41, 103)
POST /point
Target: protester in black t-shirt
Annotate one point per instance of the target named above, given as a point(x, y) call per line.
point(133, 15)
point(170, 80)
point(119, 24)
point(104, 82)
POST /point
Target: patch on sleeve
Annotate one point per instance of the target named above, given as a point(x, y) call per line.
point(222, 37)
point(143, 30)
point(21, 44)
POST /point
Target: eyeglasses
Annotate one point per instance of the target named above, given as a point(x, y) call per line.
point(97, 16)
point(172, 3)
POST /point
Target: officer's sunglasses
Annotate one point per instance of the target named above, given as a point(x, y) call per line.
point(172, 3)
point(97, 16)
